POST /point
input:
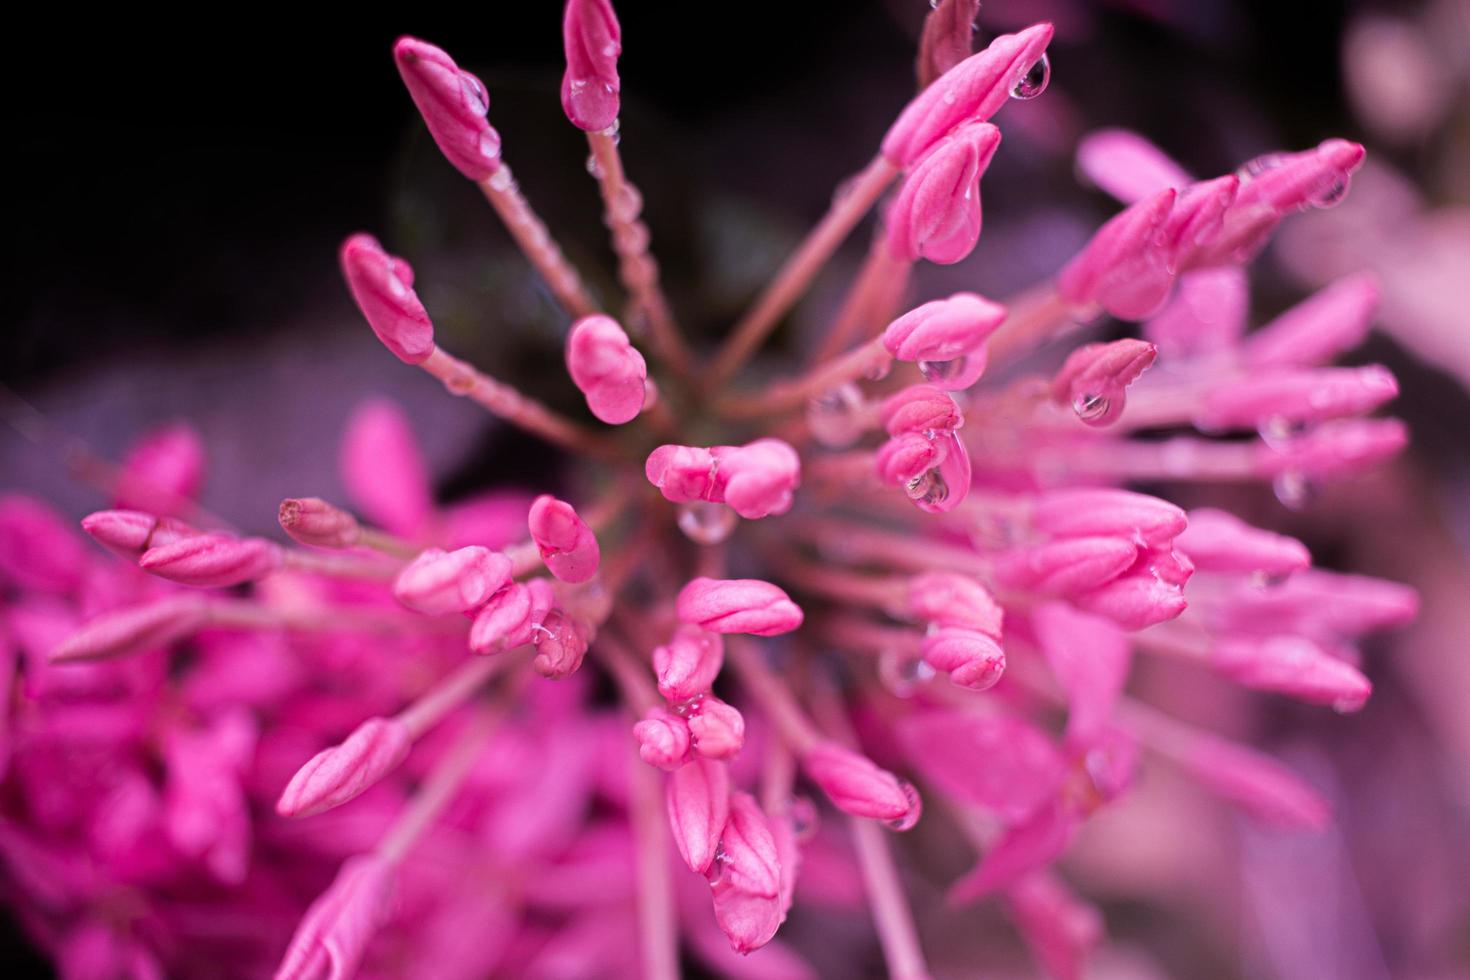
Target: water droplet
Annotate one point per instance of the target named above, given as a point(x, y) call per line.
point(1293, 489)
point(912, 814)
point(927, 488)
point(1252, 169)
point(719, 867)
point(1329, 194)
point(902, 672)
point(501, 179)
point(804, 818)
point(593, 167)
point(835, 416)
point(474, 93)
point(489, 146)
point(706, 523)
point(1278, 432)
point(938, 371)
point(1091, 408)
point(1033, 81)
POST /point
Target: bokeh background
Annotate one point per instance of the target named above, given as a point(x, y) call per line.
point(181, 187)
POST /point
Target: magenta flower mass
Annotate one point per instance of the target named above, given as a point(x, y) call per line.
point(817, 639)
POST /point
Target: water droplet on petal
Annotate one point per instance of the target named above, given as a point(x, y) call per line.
point(938, 371)
point(1033, 81)
point(835, 416)
point(804, 818)
point(910, 816)
point(1278, 432)
point(1329, 194)
point(474, 93)
point(927, 488)
point(902, 672)
point(1252, 169)
point(593, 167)
point(501, 179)
point(1293, 489)
point(706, 523)
point(1090, 408)
point(718, 868)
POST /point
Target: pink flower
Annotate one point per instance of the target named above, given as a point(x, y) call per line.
point(688, 664)
point(946, 338)
point(510, 617)
point(382, 285)
point(316, 523)
point(663, 739)
point(439, 582)
point(602, 362)
point(566, 543)
point(738, 606)
point(716, 729)
point(748, 859)
point(1125, 268)
point(589, 91)
point(453, 103)
point(759, 479)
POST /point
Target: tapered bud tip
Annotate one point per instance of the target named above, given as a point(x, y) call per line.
point(857, 786)
point(314, 522)
point(607, 369)
point(212, 560)
point(131, 630)
point(125, 532)
point(439, 582)
point(946, 338)
point(738, 606)
point(343, 772)
point(698, 798)
point(566, 543)
point(1095, 378)
point(663, 739)
point(453, 104)
point(936, 214)
point(382, 286)
point(593, 40)
point(716, 729)
point(1127, 166)
point(333, 937)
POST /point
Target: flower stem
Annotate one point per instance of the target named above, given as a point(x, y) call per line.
point(438, 789)
point(784, 395)
point(530, 233)
point(659, 937)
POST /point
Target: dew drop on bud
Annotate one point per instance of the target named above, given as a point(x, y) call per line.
point(1277, 432)
point(937, 371)
point(501, 179)
point(804, 819)
point(1293, 489)
point(835, 416)
point(1033, 81)
point(705, 523)
point(902, 673)
point(912, 814)
point(1090, 408)
point(927, 488)
point(718, 867)
point(1329, 194)
point(474, 93)
point(593, 167)
point(1252, 169)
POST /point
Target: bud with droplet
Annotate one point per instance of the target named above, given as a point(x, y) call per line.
point(561, 644)
point(1094, 379)
point(738, 606)
point(936, 214)
point(1295, 666)
point(946, 338)
point(453, 104)
point(593, 40)
point(382, 285)
point(509, 619)
point(920, 408)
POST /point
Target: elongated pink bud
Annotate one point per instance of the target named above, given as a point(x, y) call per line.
point(744, 605)
point(970, 658)
point(607, 368)
point(561, 644)
point(139, 628)
point(510, 618)
point(129, 533)
point(951, 599)
point(716, 729)
point(972, 91)
point(682, 473)
point(1287, 182)
point(699, 804)
point(1298, 396)
point(314, 522)
point(948, 38)
point(453, 103)
point(759, 479)
point(382, 285)
point(936, 214)
point(1067, 566)
point(1125, 267)
point(1090, 658)
point(1337, 447)
point(688, 664)
point(946, 338)
point(1095, 378)
point(343, 772)
point(438, 582)
point(164, 469)
point(1206, 315)
point(856, 786)
point(333, 937)
point(1197, 219)
point(663, 739)
point(1294, 666)
point(1137, 600)
point(593, 41)
point(748, 858)
point(748, 920)
point(567, 544)
point(1256, 783)
point(907, 457)
point(1218, 541)
point(1318, 328)
point(1087, 512)
point(1128, 166)
point(1320, 604)
point(212, 560)
point(920, 408)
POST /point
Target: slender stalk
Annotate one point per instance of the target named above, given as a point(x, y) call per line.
point(246, 614)
point(877, 285)
point(336, 565)
point(451, 692)
point(636, 267)
point(775, 699)
point(785, 395)
point(1036, 316)
point(797, 274)
point(439, 789)
point(530, 233)
point(658, 933)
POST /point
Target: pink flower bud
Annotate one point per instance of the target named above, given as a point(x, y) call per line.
point(857, 786)
point(1323, 325)
point(129, 533)
point(1135, 601)
point(920, 408)
point(952, 599)
point(749, 921)
point(1256, 783)
point(593, 41)
point(1127, 166)
point(969, 657)
point(907, 457)
point(1018, 853)
point(946, 338)
point(1087, 512)
point(1090, 658)
point(139, 628)
point(759, 479)
point(948, 38)
point(1218, 541)
point(1125, 267)
point(212, 560)
point(744, 605)
point(1317, 177)
point(314, 522)
point(1197, 219)
point(1067, 566)
point(682, 473)
point(936, 214)
point(999, 762)
point(1095, 378)
point(382, 285)
point(164, 469)
point(343, 772)
point(510, 618)
point(384, 471)
point(972, 91)
point(439, 582)
point(561, 644)
point(663, 739)
point(699, 804)
point(1295, 666)
point(689, 663)
point(38, 550)
point(717, 729)
point(567, 544)
point(333, 938)
point(1337, 447)
point(1297, 396)
point(1320, 604)
point(605, 366)
point(747, 856)
point(453, 103)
